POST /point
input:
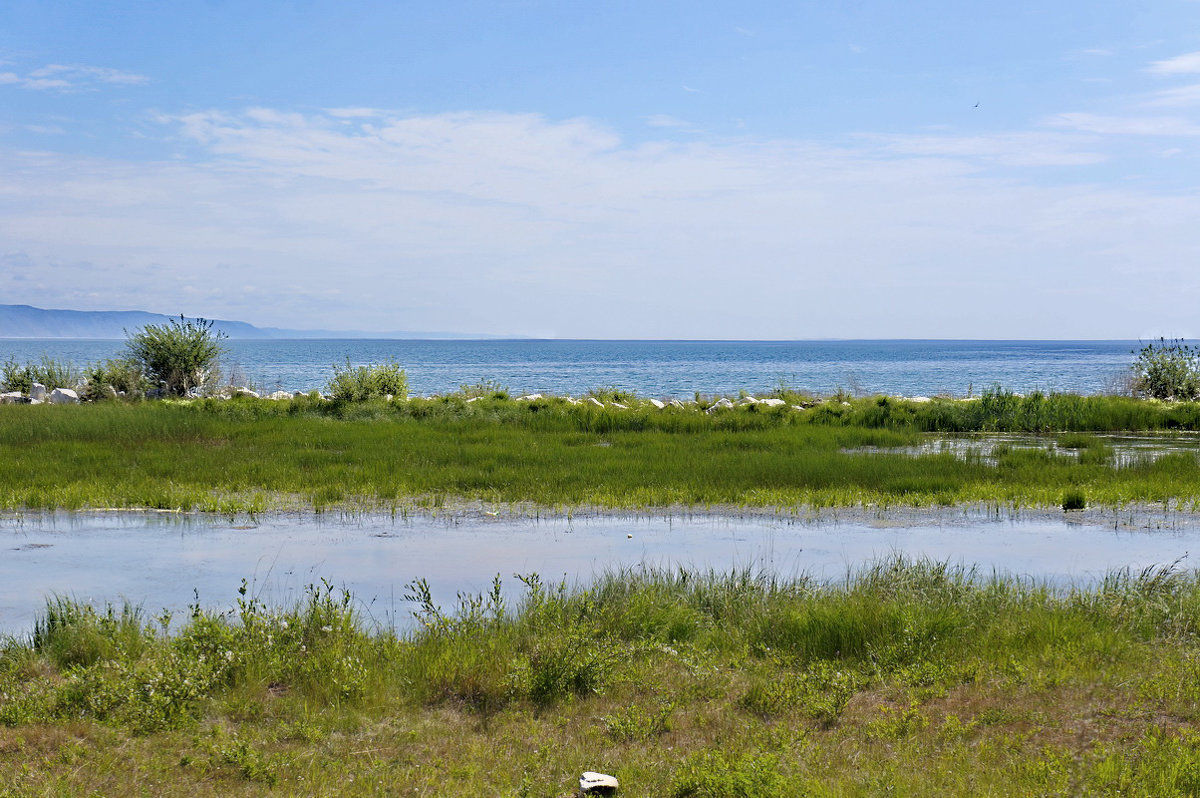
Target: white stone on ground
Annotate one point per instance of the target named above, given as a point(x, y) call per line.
point(64, 396)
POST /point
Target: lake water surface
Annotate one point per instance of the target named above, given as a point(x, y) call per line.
point(165, 561)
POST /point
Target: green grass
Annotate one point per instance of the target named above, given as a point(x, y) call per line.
point(908, 678)
point(248, 455)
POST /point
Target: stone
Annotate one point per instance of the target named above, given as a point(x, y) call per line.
point(529, 397)
point(675, 403)
point(38, 392)
point(595, 401)
point(12, 398)
point(64, 396)
point(920, 399)
point(592, 783)
point(658, 404)
point(279, 395)
point(772, 402)
point(721, 404)
point(618, 404)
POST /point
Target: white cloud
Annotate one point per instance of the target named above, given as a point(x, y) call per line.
point(1178, 97)
point(71, 77)
point(516, 223)
point(1007, 149)
point(1186, 64)
point(1125, 125)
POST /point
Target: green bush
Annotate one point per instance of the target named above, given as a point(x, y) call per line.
point(112, 378)
point(47, 371)
point(1170, 370)
point(360, 383)
point(176, 356)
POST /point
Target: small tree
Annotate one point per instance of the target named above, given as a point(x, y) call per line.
point(176, 356)
point(1168, 370)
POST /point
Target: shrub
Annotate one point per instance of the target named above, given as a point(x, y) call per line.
point(47, 371)
point(360, 383)
point(176, 356)
point(1170, 370)
point(112, 378)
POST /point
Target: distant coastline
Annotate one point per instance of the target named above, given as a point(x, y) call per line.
point(26, 321)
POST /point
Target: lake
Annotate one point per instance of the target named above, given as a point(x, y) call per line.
point(662, 368)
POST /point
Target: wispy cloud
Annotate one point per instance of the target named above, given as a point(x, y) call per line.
point(1178, 97)
point(1186, 64)
point(1005, 149)
point(499, 217)
point(1125, 125)
point(71, 77)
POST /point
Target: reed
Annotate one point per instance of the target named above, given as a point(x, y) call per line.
point(247, 455)
point(906, 676)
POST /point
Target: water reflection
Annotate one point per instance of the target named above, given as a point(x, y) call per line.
point(167, 561)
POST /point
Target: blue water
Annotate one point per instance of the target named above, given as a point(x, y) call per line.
point(663, 368)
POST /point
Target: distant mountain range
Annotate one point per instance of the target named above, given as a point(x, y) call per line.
point(26, 321)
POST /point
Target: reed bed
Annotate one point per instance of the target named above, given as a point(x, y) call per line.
point(248, 455)
point(906, 677)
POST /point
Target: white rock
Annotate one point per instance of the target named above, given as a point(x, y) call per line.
point(279, 395)
point(64, 396)
point(38, 392)
point(618, 404)
point(772, 402)
point(675, 403)
point(721, 404)
point(12, 398)
point(595, 401)
point(592, 783)
point(530, 397)
point(657, 404)
point(473, 399)
point(920, 399)
point(298, 394)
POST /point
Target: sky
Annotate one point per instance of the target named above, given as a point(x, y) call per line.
point(649, 169)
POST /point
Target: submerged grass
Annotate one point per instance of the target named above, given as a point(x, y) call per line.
point(909, 677)
point(253, 455)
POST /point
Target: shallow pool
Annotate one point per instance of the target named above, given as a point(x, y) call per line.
point(168, 561)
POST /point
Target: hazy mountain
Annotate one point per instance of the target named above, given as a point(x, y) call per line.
point(25, 321)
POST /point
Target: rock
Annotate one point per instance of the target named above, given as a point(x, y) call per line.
point(618, 404)
point(595, 401)
point(298, 394)
point(721, 404)
point(13, 398)
point(38, 392)
point(675, 403)
point(473, 399)
point(658, 404)
point(592, 783)
point(530, 397)
point(64, 396)
point(772, 402)
point(279, 395)
point(920, 399)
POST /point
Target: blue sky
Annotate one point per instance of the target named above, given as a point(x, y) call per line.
point(645, 170)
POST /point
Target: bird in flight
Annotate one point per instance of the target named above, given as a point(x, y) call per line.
point(976, 105)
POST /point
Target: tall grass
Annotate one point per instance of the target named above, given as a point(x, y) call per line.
point(252, 455)
point(923, 676)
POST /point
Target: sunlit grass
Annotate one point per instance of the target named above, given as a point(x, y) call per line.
point(909, 677)
point(250, 455)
